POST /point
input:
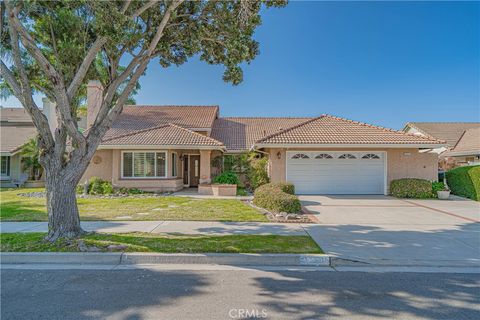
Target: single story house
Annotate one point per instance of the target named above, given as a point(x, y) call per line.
point(467, 152)
point(167, 148)
point(16, 128)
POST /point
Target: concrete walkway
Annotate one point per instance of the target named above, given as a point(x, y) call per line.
point(183, 227)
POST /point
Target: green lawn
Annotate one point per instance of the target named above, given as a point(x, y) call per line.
point(18, 208)
point(147, 242)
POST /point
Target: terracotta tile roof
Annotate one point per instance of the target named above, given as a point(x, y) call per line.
point(13, 137)
point(468, 144)
point(164, 135)
point(14, 115)
point(448, 131)
point(239, 134)
point(328, 129)
point(134, 118)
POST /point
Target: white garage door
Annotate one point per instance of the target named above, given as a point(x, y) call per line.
point(334, 172)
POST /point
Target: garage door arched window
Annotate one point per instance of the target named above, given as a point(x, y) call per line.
point(300, 156)
point(347, 156)
point(370, 156)
point(324, 156)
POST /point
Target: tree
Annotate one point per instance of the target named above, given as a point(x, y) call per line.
point(56, 47)
point(30, 153)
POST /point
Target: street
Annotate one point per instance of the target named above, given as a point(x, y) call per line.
point(236, 294)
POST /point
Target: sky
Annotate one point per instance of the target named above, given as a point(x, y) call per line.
point(382, 63)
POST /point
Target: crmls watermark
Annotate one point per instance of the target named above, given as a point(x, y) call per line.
point(247, 314)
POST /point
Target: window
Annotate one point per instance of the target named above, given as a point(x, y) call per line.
point(324, 156)
point(5, 166)
point(300, 156)
point(370, 156)
point(347, 156)
point(174, 164)
point(144, 164)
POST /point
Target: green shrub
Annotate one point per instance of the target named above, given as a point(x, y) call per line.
point(272, 197)
point(257, 173)
point(465, 182)
point(228, 177)
point(286, 187)
point(437, 186)
point(99, 186)
point(135, 191)
point(411, 188)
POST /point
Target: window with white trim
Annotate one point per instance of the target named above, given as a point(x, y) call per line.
point(5, 166)
point(144, 165)
point(323, 156)
point(370, 156)
point(347, 156)
point(300, 156)
point(174, 164)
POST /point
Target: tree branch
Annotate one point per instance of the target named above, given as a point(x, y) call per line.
point(83, 69)
point(142, 9)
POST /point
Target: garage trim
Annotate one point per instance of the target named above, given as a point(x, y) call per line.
point(288, 153)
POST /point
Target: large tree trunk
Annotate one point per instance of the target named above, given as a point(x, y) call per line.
point(63, 217)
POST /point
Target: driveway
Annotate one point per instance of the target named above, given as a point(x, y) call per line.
point(386, 230)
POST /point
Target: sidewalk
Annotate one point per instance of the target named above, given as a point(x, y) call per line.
point(183, 227)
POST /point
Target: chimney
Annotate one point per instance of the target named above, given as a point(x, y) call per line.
point(49, 110)
point(94, 101)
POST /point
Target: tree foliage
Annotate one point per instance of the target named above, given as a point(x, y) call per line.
point(56, 47)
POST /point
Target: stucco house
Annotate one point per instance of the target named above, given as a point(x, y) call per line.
point(167, 148)
point(16, 128)
point(462, 141)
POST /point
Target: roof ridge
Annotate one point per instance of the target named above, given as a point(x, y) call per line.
point(173, 105)
point(442, 122)
point(289, 129)
point(383, 128)
point(459, 139)
point(135, 132)
point(266, 118)
point(195, 133)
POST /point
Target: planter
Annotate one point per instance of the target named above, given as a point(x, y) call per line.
point(205, 189)
point(224, 189)
point(443, 195)
point(34, 184)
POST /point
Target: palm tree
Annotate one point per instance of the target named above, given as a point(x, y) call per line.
point(30, 152)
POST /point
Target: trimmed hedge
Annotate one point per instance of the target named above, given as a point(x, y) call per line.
point(411, 188)
point(465, 182)
point(277, 197)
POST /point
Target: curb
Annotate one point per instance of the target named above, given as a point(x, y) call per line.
point(119, 258)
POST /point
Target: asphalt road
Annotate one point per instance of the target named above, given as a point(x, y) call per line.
point(239, 294)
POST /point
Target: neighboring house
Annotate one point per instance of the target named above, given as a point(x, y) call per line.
point(16, 128)
point(167, 148)
point(467, 152)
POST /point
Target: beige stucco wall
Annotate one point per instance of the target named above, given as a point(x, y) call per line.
point(109, 168)
point(100, 166)
point(401, 163)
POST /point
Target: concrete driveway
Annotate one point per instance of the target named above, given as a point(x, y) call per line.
point(390, 231)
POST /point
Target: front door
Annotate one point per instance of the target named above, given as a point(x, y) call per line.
point(194, 170)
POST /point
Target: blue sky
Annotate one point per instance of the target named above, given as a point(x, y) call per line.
point(379, 62)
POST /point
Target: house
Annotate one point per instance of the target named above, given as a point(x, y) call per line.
point(467, 152)
point(16, 128)
point(167, 148)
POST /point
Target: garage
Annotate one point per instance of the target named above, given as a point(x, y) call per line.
point(337, 172)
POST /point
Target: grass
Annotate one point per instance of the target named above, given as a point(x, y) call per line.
point(18, 208)
point(147, 242)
